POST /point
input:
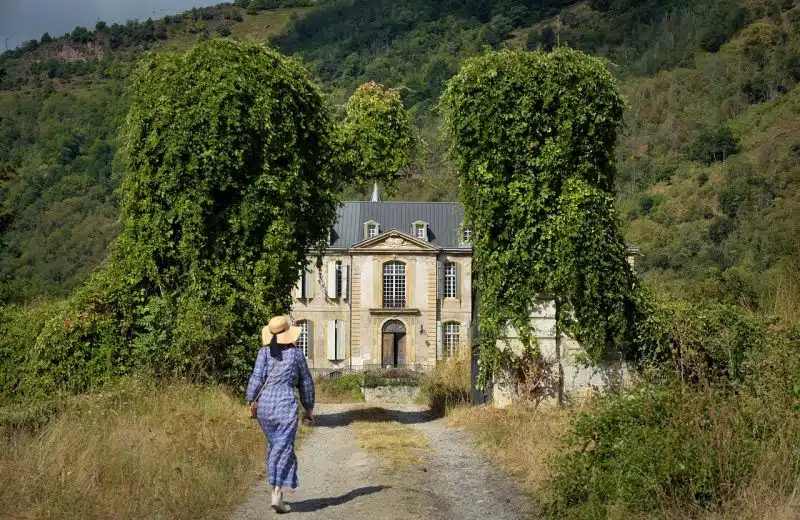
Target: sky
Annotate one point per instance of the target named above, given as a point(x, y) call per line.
point(22, 20)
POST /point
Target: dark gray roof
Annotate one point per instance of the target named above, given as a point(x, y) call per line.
point(444, 220)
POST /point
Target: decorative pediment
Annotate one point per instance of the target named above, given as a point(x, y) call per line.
point(395, 241)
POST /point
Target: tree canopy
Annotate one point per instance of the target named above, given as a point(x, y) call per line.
point(532, 137)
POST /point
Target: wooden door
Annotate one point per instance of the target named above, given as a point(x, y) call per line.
point(387, 349)
point(400, 339)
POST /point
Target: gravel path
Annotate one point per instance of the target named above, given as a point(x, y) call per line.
point(338, 480)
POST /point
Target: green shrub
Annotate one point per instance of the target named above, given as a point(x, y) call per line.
point(714, 145)
point(695, 434)
point(344, 389)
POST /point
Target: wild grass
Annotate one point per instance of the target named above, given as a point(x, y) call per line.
point(138, 451)
point(397, 446)
point(449, 385)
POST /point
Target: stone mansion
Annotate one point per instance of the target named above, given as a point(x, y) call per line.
point(394, 288)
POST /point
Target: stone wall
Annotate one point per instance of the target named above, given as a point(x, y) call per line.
point(391, 394)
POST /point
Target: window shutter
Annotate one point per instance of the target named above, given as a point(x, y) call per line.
point(366, 230)
point(310, 339)
point(340, 335)
point(457, 268)
point(297, 292)
point(331, 281)
point(439, 340)
point(440, 280)
point(309, 284)
point(332, 340)
point(345, 281)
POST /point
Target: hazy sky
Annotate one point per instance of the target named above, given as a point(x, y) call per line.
point(22, 20)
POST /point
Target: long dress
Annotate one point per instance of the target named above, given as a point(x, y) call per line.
point(277, 408)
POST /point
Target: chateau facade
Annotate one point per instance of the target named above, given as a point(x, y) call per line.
point(394, 287)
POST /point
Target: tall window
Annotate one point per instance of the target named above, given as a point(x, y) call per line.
point(394, 285)
point(451, 339)
point(467, 235)
point(303, 341)
point(450, 280)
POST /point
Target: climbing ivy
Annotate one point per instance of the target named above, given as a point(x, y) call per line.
point(532, 135)
point(234, 170)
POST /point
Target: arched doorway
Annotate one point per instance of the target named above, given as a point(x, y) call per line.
point(393, 343)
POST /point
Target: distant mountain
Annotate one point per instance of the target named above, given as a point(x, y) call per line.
point(709, 164)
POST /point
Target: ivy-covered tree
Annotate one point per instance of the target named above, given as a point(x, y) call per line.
point(234, 170)
point(532, 135)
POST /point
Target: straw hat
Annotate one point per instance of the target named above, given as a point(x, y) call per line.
point(280, 326)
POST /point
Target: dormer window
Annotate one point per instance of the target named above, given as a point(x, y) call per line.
point(420, 230)
point(465, 235)
point(371, 229)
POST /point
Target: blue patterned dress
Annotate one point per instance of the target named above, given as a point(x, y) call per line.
point(277, 408)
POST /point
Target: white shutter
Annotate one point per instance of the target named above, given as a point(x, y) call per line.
point(297, 292)
point(331, 281)
point(308, 284)
point(346, 281)
point(309, 339)
point(332, 340)
point(340, 335)
point(440, 280)
point(439, 338)
point(457, 269)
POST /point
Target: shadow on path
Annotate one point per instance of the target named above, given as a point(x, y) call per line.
point(375, 414)
point(315, 504)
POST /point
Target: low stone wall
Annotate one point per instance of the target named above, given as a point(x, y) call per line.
point(391, 394)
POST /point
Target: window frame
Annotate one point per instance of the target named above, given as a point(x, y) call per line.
point(393, 277)
point(450, 279)
point(303, 324)
point(451, 339)
point(339, 279)
point(372, 230)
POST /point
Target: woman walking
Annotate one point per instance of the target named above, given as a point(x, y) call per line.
point(278, 371)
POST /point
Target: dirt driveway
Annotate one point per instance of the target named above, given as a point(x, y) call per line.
point(364, 463)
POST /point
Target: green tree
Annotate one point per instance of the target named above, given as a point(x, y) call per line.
point(234, 173)
point(532, 137)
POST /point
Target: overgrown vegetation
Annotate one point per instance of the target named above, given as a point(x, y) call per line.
point(450, 384)
point(532, 135)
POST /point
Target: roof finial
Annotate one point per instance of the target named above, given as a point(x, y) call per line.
point(376, 194)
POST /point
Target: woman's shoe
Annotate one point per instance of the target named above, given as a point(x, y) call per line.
point(278, 504)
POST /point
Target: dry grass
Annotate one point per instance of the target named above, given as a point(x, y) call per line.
point(523, 439)
point(180, 451)
point(397, 445)
point(450, 384)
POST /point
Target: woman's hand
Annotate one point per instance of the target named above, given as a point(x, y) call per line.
point(309, 416)
point(253, 408)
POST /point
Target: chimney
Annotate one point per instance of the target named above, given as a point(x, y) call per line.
point(376, 194)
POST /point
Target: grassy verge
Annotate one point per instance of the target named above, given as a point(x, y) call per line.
point(139, 451)
point(521, 438)
point(396, 445)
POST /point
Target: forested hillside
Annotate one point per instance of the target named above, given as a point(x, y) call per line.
point(709, 164)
